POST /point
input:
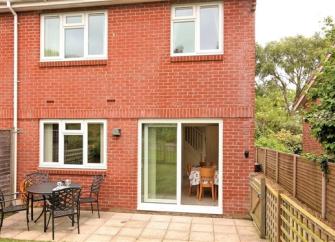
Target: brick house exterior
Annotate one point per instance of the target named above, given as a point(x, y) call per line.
point(309, 143)
point(139, 80)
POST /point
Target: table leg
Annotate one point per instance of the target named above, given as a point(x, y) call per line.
point(198, 190)
point(28, 199)
point(32, 207)
point(45, 214)
point(39, 216)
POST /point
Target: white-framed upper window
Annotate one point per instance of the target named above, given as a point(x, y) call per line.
point(73, 144)
point(74, 36)
point(197, 29)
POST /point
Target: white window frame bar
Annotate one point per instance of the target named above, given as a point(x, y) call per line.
point(73, 130)
point(179, 207)
point(84, 133)
point(196, 19)
point(63, 26)
point(82, 23)
point(193, 16)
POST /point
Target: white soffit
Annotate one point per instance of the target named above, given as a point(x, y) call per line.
point(30, 5)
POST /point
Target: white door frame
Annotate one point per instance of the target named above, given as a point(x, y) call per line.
point(178, 207)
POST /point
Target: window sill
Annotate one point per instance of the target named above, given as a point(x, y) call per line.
point(196, 58)
point(69, 171)
point(67, 63)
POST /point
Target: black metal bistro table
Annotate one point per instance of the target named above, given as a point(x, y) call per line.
point(45, 190)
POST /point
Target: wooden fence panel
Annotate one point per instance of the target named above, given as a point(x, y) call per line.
point(257, 199)
point(302, 178)
point(286, 171)
point(309, 183)
point(261, 156)
point(286, 219)
point(5, 170)
point(330, 197)
point(271, 164)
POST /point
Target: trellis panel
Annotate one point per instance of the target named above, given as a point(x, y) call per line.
point(271, 215)
point(297, 224)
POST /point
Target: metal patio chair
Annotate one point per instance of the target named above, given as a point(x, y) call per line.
point(64, 203)
point(94, 193)
point(31, 179)
point(9, 203)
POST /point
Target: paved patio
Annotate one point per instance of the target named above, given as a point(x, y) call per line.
point(134, 227)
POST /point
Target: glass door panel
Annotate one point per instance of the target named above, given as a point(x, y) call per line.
point(159, 162)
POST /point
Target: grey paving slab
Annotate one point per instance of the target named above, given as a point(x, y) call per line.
point(129, 227)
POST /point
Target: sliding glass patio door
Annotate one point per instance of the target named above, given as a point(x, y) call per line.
point(161, 172)
point(159, 163)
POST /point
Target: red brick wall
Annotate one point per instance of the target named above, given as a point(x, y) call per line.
point(309, 143)
point(6, 70)
point(145, 83)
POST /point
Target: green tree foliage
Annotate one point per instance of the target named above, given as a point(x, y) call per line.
point(289, 63)
point(275, 128)
point(321, 112)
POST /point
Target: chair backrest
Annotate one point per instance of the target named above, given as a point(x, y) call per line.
point(207, 175)
point(2, 200)
point(202, 163)
point(188, 168)
point(64, 199)
point(213, 164)
point(96, 183)
point(24, 184)
point(36, 178)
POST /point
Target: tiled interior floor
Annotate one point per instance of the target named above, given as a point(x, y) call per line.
point(135, 227)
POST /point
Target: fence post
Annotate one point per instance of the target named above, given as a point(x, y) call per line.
point(279, 216)
point(277, 166)
point(294, 175)
point(265, 160)
point(324, 196)
point(263, 209)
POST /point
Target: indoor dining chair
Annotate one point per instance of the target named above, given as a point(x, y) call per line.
point(207, 181)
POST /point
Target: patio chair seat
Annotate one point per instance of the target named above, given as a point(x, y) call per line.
point(15, 208)
point(61, 213)
point(8, 204)
point(88, 199)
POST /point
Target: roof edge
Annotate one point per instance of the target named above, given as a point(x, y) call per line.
point(21, 6)
point(303, 96)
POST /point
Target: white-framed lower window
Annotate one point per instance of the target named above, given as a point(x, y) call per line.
point(197, 29)
point(74, 36)
point(73, 144)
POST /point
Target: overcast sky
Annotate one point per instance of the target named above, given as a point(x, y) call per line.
point(276, 19)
